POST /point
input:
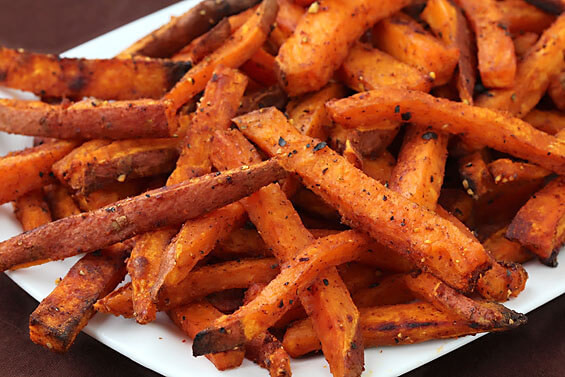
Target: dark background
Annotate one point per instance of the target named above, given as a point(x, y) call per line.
point(537, 349)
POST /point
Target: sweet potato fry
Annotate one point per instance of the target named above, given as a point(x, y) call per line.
point(504, 250)
point(30, 169)
point(368, 143)
point(261, 68)
point(309, 202)
point(505, 170)
point(159, 208)
point(171, 37)
point(319, 45)
point(496, 58)
point(205, 44)
point(536, 70)
point(200, 283)
point(476, 178)
point(116, 161)
point(60, 201)
point(449, 24)
point(556, 90)
point(356, 196)
point(238, 49)
point(380, 168)
point(496, 130)
point(241, 243)
point(31, 210)
point(356, 275)
point(367, 68)
point(523, 43)
point(550, 122)
point(550, 6)
point(107, 79)
point(522, 17)
point(268, 352)
point(459, 204)
point(390, 290)
point(197, 316)
point(265, 97)
point(406, 40)
point(61, 316)
point(539, 225)
point(85, 120)
point(109, 194)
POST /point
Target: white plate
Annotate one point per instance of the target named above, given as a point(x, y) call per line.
point(160, 346)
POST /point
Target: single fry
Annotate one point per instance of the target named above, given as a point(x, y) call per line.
point(320, 43)
point(522, 17)
point(496, 130)
point(524, 43)
point(476, 178)
point(550, 122)
point(32, 210)
point(504, 250)
point(204, 45)
point(505, 170)
point(261, 68)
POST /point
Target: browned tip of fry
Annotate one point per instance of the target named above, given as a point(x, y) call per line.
point(551, 261)
point(509, 320)
point(355, 355)
point(218, 339)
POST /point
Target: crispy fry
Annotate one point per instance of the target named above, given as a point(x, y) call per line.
point(448, 22)
point(241, 243)
point(536, 70)
point(61, 316)
point(118, 79)
point(116, 161)
point(60, 201)
point(268, 352)
point(459, 204)
point(522, 17)
point(30, 169)
point(109, 194)
point(476, 178)
point(320, 43)
point(356, 275)
point(406, 40)
point(85, 120)
point(496, 130)
point(497, 61)
point(550, 122)
point(31, 210)
point(309, 202)
point(267, 97)
point(356, 196)
point(205, 44)
point(390, 290)
point(261, 68)
point(504, 250)
point(505, 170)
point(367, 68)
point(539, 225)
point(380, 168)
point(172, 36)
point(367, 142)
point(238, 49)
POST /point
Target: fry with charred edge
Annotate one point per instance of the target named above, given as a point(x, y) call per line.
point(539, 224)
point(497, 130)
point(159, 208)
point(116, 161)
point(178, 32)
point(61, 316)
point(201, 282)
point(505, 170)
point(390, 290)
point(321, 41)
point(32, 210)
point(537, 68)
point(237, 49)
point(486, 315)
point(30, 169)
point(106, 79)
point(60, 201)
point(393, 325)
point(197, 316)
point(204, 45)
point(110, 193)
point(504, 250)
point(456, 259)
point(521, 17)
point(274, 300)
point(367, 68)
point(327, 301)
point(88, 119)
point(448, 22)
point(268, 352)
point(551, 6)
point(497, 61)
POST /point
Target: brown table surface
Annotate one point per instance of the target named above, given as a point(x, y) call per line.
point(537, 349)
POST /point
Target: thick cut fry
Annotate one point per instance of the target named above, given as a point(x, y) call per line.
point(274, 300)
point(328, 302)
point(268, 352)
point(524, 42)
point(85, 120)
point(31, 210)
point(390, 290)
point(496, 130)
point(30, 169)
point(521, 17)
point(197, 316)
point(61, 316)
point(117, 79)
point(406, 40)
point(448, 22)
point(497, 61)
point(204, 45)
point(319, 45)
point(540, 224)
point(550, 122)
point(380, 168)
point(550, 6)
point(505, 170)
point(236, 51)
point(60, 201)
point(504, 250)
point(556, 90)
point(535, 71)
point(178, 32)
point(368, 143)
point(367, 68)
point(159, 208)
point(116, 161)
point(265, 97)
point(392, 325)
point(261, 68)
point(201, 282)
point(356, 197)
point(486, 315)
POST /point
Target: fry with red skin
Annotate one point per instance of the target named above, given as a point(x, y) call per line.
point(320, 43)
point(536, 70)
point(497, 130)
point(402, 37)
point(356, 196)
point(496, 58)
point(30, 169)
point(448, 22)
point(31, 210)
point(539, 225)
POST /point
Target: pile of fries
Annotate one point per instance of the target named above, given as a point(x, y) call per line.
point(287, 177)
